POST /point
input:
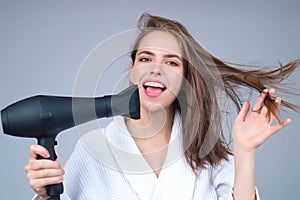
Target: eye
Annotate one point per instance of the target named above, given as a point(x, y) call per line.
point(172, 63)
point(144, 59)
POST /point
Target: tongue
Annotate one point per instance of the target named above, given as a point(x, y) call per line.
point(153, 91)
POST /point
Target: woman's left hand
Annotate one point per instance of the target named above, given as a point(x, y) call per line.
point(250, 131)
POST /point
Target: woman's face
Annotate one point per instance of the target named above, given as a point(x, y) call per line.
point(158, 70)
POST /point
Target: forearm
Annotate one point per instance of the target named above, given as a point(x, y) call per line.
point(244, 184)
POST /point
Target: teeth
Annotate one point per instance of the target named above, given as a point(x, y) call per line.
point(154, 84)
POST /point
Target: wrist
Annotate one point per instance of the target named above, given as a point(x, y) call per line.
point(243, 149)
point(244, 158)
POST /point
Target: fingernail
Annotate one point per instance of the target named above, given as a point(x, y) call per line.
point(265, 91)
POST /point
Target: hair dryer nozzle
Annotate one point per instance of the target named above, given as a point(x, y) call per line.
point(126, 103)
point(4, 121)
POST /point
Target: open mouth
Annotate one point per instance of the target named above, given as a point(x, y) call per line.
point(154, 89)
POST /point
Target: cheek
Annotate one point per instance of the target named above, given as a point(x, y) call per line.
point(135, 74)
point(176, 87)
point(175, 82)
point(138, 72)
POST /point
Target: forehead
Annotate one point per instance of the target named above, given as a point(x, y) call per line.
point(161, 40)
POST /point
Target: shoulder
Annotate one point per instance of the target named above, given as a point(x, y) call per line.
point(97, 136)
point(91, 151)
point(97, 144)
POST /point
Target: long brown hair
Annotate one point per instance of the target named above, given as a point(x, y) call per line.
point(206, 77)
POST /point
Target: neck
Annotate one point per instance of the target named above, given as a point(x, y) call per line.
point(152, 134)
point(153, 124)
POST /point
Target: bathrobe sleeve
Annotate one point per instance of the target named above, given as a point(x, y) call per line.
point(223, 179)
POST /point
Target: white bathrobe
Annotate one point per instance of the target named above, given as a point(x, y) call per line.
point(107, 164)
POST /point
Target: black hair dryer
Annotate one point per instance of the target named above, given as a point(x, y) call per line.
point(44, 117)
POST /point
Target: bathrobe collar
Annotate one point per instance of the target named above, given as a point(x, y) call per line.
point(176, 179)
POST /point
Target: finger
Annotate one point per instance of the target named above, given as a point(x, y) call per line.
point(264, 111)
point(56, 152)
point(39, 184)
point(280, 126)
point(277, 105)
point(278, 102)
point(275, 114)
point(42, 192)
point(272, 93)
point(42, 164)
point(272, 119)
point(45, 173)
point(274, 129)
point(244, 111)
point(36, 150)
point(260, 101)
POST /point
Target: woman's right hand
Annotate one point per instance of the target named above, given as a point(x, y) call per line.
point(42, 172)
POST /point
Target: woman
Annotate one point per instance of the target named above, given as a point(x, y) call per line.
point(176, 150)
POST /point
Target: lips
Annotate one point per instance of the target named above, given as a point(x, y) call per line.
point(154, 88)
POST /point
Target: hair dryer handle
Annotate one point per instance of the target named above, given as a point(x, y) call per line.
point(54, 190)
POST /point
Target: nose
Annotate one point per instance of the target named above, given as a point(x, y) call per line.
point(156, 69)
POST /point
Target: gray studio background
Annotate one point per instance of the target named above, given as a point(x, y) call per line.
point(43, 44)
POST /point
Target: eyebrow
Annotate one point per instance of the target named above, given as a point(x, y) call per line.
point(165, 55)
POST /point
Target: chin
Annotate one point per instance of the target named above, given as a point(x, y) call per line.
point(153, 107)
